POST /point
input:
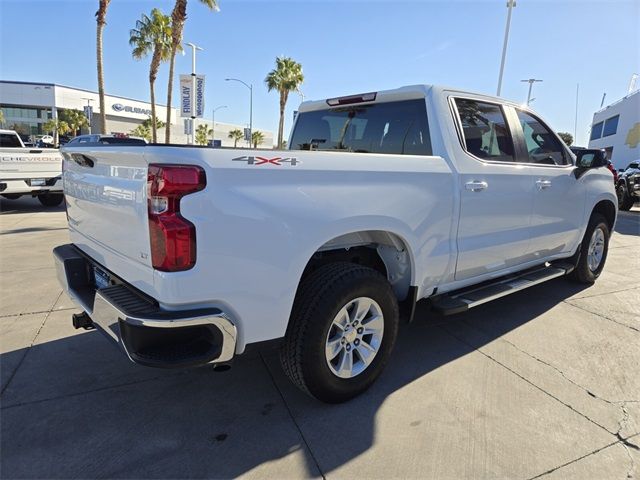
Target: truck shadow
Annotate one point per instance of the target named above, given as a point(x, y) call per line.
point(25, 205)
point(85, 411)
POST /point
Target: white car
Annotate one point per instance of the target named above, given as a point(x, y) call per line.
point(29, 171)
point(184, 256)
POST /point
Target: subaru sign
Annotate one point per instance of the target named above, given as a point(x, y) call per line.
point(118, 107)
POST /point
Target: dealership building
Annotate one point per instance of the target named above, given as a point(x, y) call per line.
point(26, 106)
point(616, 128)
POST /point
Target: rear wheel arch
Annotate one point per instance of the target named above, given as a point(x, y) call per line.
point(384, 251)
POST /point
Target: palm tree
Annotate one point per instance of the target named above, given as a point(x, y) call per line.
point(152, 35)
point(257, 138)
point(202, 134)
point(75, 120)
point(57, 127)
point(236, 134)
point(148, 121)
point(285, 78)
point(143, 131)
point(101, 21)
point(178, 17)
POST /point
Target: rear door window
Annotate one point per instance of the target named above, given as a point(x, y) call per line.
point(399, 128)
point(485, 130)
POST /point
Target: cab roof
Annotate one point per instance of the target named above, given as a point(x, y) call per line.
point(410, 92)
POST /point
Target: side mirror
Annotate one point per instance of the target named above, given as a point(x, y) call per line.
point(591, 158)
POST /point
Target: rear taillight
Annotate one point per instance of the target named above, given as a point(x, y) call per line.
point(173, 238)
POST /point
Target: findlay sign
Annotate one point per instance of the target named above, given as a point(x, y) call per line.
point(192, 103)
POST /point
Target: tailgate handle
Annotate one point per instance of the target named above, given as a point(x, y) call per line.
point(82, 160)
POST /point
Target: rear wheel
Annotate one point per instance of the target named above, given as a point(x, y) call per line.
point(625, 201)
point(593, 252)
point(341, 333)
point(51, 199)
point(12, 196)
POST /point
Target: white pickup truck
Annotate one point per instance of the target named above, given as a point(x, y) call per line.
point(29, 171)
point(184, 256)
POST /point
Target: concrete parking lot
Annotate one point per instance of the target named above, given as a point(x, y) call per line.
point(544, 383)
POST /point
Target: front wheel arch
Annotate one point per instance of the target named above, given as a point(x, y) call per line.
point(607, 209)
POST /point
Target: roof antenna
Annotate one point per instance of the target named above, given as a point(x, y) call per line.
point(603, 96)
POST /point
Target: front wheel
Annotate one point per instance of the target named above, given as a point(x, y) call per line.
point(343, 327)
point(625, 201)
point(593, 252)
point(51, 199)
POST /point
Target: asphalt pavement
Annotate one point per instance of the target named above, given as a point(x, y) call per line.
point(543, 383)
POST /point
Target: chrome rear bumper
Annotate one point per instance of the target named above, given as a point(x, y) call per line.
point(148, 334)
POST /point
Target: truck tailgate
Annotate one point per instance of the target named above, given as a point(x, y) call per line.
point(106, 196)
point(26, 163)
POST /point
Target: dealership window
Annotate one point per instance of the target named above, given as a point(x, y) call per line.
point(596, 131)
point(610, 126)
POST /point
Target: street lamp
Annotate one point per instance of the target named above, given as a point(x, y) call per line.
point(530, 81)
point(213, 122)
point(510, 5)
point(250, 87)
point(88, 113)
point(194, 47)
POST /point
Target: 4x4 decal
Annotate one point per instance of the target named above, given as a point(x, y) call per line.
point(293, 161)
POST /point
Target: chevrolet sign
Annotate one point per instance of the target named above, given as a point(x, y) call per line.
point(118, 107)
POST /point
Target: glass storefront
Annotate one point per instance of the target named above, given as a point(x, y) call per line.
point(26, 121)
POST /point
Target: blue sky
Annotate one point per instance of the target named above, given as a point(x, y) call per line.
point(345, 47)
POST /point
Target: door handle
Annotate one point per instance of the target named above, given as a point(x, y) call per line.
point(476, 186)
point(543, 184)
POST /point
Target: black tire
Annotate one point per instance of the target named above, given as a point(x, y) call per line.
point(318, 300)
point(625, 201)
point(12, 196)
point(51, 199)
point(582, 273)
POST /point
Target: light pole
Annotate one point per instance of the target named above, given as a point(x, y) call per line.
point(194, 47)
point(250, 87)
point(89, 112)
point(213, 122)
point(510, 5)
point(530, 81)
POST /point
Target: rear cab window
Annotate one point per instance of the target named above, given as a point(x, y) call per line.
point(399, 128)
point(9, 140)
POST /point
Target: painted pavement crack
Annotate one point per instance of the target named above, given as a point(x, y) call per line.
point(529, 382)
point(568, 302)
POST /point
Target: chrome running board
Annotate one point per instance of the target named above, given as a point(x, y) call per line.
point(462, 300)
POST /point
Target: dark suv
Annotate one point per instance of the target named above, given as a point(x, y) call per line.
point(628, 186)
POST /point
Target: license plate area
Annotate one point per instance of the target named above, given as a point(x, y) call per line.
point(101, 279)
point(38, 182)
